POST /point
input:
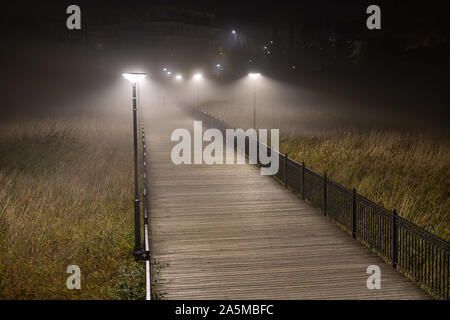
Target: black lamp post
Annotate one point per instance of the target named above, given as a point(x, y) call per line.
point(138, 253)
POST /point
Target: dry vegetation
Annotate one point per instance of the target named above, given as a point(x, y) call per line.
point(397, 170)
point(394, 168)
point(66, 198)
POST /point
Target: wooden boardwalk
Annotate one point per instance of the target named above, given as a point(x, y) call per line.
point(226, 232)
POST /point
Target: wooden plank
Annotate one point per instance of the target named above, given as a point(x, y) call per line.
point(229, 233)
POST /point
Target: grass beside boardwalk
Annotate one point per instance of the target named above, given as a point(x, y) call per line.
point(397, 169)
point(66, 190)
point(404, 171)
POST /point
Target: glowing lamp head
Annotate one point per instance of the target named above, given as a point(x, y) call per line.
point(178, 77)
point(233, 32)
point(134, 77)
point(198, 77)
point(254, 75)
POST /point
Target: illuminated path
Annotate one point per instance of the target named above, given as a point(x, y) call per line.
point(227, 232)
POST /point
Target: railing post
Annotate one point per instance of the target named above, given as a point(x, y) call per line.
point(257, 150)
point(354, 213)
point(285, 170)
point(303, 180)
point(394, 239)
point(324, 194)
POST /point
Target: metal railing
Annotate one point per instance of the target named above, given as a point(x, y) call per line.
point(146, 218)
point(145, 210)
point(410, 249)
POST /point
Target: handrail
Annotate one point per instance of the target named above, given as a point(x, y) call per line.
point(145, 204)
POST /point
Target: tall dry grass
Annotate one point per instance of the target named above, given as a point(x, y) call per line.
point(400, 170)
point(66, 199)
point(396, 168)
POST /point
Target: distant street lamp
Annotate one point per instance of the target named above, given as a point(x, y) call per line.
point(178, 77)
point(138, 253)
point(254, 77)
point(197, 78)
point(234, 34)
point(218, 68)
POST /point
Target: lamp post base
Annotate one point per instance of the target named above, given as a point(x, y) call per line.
point(138, 254)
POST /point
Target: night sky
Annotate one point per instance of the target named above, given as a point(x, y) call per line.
point(413, 13)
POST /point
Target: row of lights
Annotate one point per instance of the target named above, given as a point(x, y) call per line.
point(134, 78)
point(138, 76)
point(179, 76)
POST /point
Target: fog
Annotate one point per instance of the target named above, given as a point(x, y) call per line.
point(50, 72)
point(292, 108)
point(43, 82)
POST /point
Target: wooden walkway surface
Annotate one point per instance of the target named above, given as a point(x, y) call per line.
point(226, 232)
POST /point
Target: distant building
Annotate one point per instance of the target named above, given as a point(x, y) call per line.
point(160, 27)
